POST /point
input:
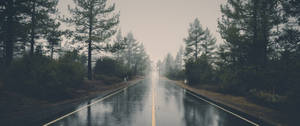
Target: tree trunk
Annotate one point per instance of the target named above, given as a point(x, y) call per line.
point(9, 43)
point(196, 50)
point(254, 52)
point(90, 45)
point(52, 48)
point(32, 29)
point(90, 60)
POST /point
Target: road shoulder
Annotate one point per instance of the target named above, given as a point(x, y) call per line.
point(238, 103)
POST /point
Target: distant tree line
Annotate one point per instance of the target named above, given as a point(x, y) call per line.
point(128, 61)
point(33, 60)
point(172, 68)
point(260, 56)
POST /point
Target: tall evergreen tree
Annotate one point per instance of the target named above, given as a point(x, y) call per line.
point(200, 45)
point(159, 66)
point(247, 28)
point(232, 28)
point(53, 37)
point(291, 8)
point(131, 48)
point(132, 54)
point(208, 45)
point(119, 39)
point(179, 59)
point(199, 42)
point(169, 63)
point(196, 35)
point(1, 48)
point(95, 23)
point(140, 59)
point(11, 26)
point(40, 14)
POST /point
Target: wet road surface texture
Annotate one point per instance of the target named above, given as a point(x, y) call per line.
point(152, 102)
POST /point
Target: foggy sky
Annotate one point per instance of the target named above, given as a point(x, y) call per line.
point(162, 24)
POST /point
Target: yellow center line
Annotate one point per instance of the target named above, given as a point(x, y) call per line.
point(153, 107)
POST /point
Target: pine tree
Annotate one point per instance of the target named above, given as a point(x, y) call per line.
point(264, 17)
point(40, 13)
point(11, 26)
point(247, 28)
point(140, 59)
point(199, 42)
point(196, 35)
point(179, 59)
point(231, 25)
point(131, 48)
point(159, 66)
point(132, 54)
point(53, 37)
point(289, 37)
point(1, 48)
point(291, 8)
point(119, 39)
point(9, 15)
point(208, 45)
point(2, 51)
point(169, 64)
point(95, 23)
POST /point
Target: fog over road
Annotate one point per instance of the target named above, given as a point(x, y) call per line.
point(152, 102)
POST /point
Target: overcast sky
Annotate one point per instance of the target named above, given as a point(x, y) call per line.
point(162, 24)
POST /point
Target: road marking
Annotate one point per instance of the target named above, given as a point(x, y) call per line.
point(81, 108)
point(253, 123)
point(153, 106)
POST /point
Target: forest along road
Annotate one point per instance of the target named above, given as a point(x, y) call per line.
point(152, 102)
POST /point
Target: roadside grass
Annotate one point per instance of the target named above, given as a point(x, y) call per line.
point(265, 98)
point(12, 102)
point(269, 99)
point(108, 79)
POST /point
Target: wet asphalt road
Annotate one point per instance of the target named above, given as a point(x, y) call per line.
point(154, 101)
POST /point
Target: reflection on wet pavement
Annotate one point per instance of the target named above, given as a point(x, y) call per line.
point(133, 107)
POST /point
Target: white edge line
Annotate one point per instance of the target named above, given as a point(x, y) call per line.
point(224, 109)
point(83, 107)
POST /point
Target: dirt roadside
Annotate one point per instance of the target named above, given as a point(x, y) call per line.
point(238, 103)
point(20, 110)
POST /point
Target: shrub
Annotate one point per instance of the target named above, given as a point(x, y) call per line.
point(199, 71)
point(266, 97)
point(238, 80)
point(108, 79)
point(110, 67)
point(41, 77)
point(229, 82)
point(175, 74)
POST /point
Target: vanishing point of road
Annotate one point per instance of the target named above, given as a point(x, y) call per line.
point(152, 102)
